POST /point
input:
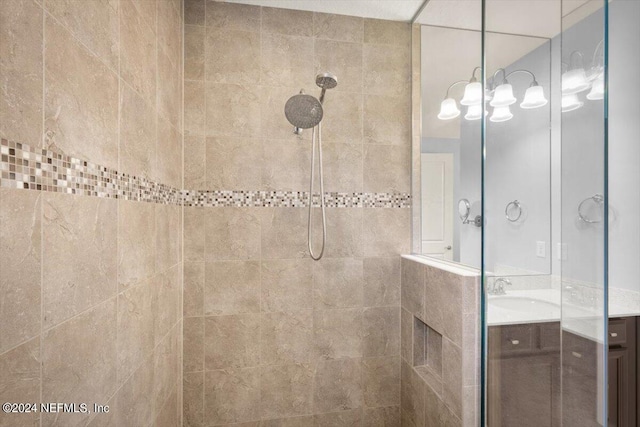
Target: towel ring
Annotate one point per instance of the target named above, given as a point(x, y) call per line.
point(515, 204)
point(598, 199)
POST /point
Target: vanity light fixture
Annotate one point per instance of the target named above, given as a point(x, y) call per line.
point(472, 91)
point(571, 102)
point(534, 98)
point(597, 89)
point(501, 114)
point(448, 109)
point(474, 112)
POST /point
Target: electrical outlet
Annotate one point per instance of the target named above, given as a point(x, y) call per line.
point(541, 250)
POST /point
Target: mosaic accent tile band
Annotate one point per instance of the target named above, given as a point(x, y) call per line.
point(25, 167)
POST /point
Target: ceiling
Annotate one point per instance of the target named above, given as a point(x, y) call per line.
point(396, 10)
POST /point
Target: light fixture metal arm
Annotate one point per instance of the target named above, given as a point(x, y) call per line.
point(534, 83)
point(454, 84)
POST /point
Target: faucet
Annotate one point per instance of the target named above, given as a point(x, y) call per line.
point(498, 286)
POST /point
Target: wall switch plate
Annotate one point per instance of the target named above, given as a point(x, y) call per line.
point(562, 250)
point(541, 250)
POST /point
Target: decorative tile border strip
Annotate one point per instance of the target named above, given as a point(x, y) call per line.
point(25, 167)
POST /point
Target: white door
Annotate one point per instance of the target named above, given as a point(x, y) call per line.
point(437, 205)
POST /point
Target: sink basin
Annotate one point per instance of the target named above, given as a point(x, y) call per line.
point(520, 304)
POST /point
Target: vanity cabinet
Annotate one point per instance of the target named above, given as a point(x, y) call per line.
point(526, 369)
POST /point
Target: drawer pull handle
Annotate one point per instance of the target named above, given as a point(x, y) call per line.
point(613, 334)
point(576, 354)
point(515, 342)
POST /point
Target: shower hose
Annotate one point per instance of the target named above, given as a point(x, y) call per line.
point(322, 204)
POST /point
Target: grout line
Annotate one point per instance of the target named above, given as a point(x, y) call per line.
point(42, 143)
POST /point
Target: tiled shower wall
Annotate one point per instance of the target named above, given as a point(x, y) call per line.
point(90, 287)
point(270, 334)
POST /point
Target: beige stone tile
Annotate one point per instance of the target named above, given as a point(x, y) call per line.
point(286, 337)
point(437, 413)
point(136, 242)
point(420, 330)
point(167, 306)
point(285, 164)
point(194, 12)
point(387, 120)
point(193, 345)
point(342, 122)
point(94, 23)
point(443, 303)
point(387, 169)
point(381, 332)
point(287, 21)
point(433, 350)
point(79, 361)
point(471, 349)
point(168, 415)
point(233, 163)
point(386, 232)
point(193, 288)
point(193, 405)
point(165, 369)
point(195, 176)
point(342, 167)
point(232, 287)
point(233, 16)
point(345, 223)
point(412, 392)
point(303, 421)
point(406, 335)
point(274, 123)
point(348, 418)
point(381, 281)
point(382, 417)
point(168, 238)
point(287, 61)
point(286, 390)
point(21, 56)
point(194, 52)
point(337, 283)
point(337, 386)
point(194, 236)
point(135, 325)
point(381, 381)
point(231, 341)
point(137, 134)
point(471, 291)
point(232, 110)
point(169, 90)
point(20, 266)
point(135, 398)
point(81, 100)
point(194, 108)
point(388, 70)
point(82, 229)
point(169, 155)
point(284, 233)
point(108, 419)
point(452, 376)
point(232, 234)
point(338, 27)
point(147, 11)
point(170, 31)
point(286, 284)
point(342, 59)
point(20, 379)
point(337, 333)
point(413, 288)
point(232, 396)
point(232, 56)
point(137, 51)
point(381, 31)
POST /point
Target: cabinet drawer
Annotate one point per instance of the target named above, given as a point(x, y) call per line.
point(617, 332)
point(513, 339)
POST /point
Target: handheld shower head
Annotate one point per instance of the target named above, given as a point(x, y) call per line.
point(303, 111)
point(326, 81)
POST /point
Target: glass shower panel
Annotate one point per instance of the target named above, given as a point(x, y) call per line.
point(584, 219)
point(522, 306)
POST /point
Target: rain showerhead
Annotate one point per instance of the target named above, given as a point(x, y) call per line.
point(303, 111)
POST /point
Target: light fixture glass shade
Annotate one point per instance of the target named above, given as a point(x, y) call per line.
point(503, 96)
point(597, 89)
point(488, 95)
point(571, 102)
point(574, 81)
point(448, 109)
point(474, 112)
point(534, 98)
point(501, 114)
point(472, 94)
